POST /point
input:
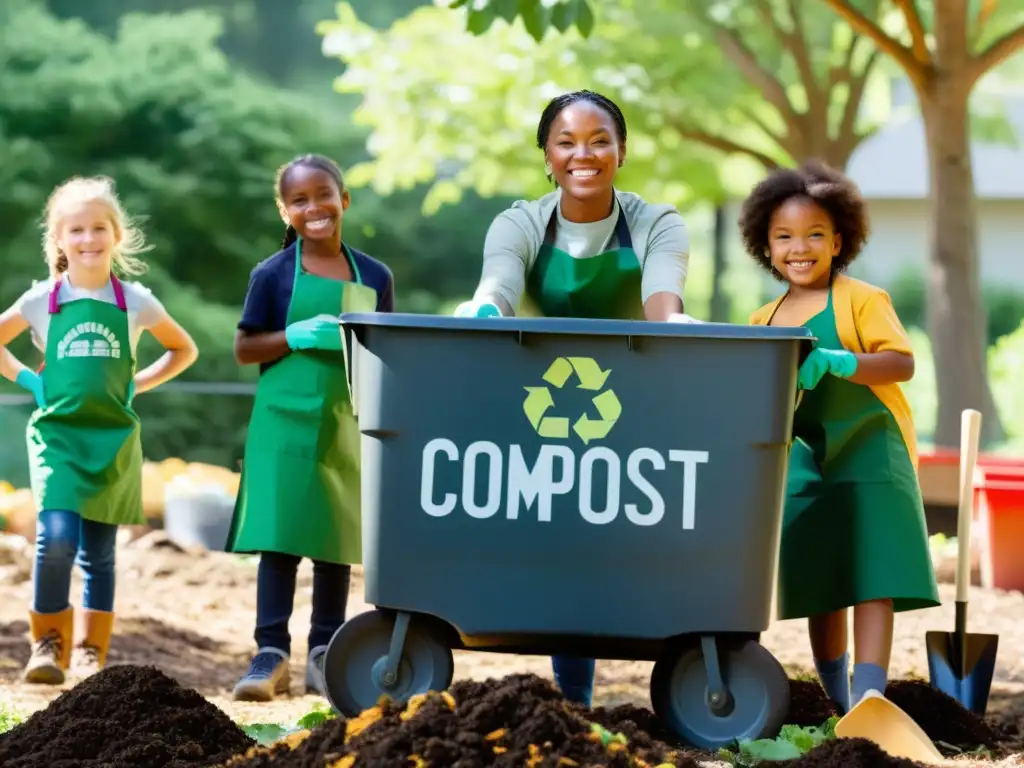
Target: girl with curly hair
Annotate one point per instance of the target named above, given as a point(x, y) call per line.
point(854, 530)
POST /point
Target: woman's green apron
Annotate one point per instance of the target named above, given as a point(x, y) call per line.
point(300, 492)
point(605, 286)
point(84, 444)
point(854, 527)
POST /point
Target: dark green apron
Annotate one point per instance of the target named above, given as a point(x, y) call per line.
point(300, 492)
point(606, 286)
point(854, 527)
point(84, 445)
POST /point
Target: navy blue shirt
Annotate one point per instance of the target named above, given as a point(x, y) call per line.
point(270, 290)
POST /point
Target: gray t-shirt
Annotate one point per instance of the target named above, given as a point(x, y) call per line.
point(514, 238)
point(144, 309)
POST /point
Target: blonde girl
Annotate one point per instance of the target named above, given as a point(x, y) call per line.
point(84, 449)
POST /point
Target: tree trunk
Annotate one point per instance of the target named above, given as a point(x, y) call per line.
point(956, 316)
point(720, 309)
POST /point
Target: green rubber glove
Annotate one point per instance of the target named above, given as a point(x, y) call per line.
point(320, 332)
point(131, 391)
point(32, 382)
point(839, 362)
point(477, 309)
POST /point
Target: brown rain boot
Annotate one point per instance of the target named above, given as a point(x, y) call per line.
point(51, 647)
point(90, 653)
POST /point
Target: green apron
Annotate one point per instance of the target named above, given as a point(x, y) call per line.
point(605, 286)
point(85, 447)
point(300, 492)
point(854, 527)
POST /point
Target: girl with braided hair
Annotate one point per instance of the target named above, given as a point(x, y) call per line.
point(585, 250)
point(299, 495)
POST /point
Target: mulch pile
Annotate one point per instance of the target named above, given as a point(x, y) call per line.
point(129, 716)
point(520, 720)
point(123, 717)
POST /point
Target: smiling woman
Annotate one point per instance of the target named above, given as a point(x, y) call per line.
point(585, 249)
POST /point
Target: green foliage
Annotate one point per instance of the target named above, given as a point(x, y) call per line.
point(1004, 305)
point(458, 109)
point(538, 16)
point(9, 718)
point(193, 143)
point(268, 733)
point(1006, 372)
point(792, 742)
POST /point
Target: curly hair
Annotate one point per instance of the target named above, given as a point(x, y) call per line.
point(836, 193)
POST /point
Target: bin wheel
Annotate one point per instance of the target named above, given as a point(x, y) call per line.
point(757, 683)
point(357, 655)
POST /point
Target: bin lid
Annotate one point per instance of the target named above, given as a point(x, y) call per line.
point(576, 326)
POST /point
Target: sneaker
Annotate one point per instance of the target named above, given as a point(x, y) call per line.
point(267, 677)
point(315, 671)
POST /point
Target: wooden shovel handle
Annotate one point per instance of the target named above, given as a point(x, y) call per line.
point(970, 436)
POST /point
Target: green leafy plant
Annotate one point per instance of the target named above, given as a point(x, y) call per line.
point(270, 733)
point(9, 718)
point(792, 742)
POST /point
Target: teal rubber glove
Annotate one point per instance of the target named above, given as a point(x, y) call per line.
point(32, 382)
point(477, 309)
point(839, 362)
point(320, 332)
point(131, 391)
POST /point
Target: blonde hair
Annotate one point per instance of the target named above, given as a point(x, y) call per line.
point(77, 191)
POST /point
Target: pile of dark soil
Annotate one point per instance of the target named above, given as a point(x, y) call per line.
point(516, 721)
point(123, 717)
point(940, 716)
point(848, 753)
point(808, 704)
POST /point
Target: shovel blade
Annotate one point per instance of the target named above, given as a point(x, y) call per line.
point(969, 686)
point(879, 720)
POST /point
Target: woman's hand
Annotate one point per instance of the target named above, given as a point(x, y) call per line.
point(181, 353)
point(662, 305)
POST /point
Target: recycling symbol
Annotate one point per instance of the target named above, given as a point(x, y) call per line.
point(590, 377)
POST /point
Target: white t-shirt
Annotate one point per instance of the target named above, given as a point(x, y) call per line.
point(659, 235)
point(144, 309)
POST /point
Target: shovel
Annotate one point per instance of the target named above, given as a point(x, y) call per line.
point(961, 665)
point(877, 719)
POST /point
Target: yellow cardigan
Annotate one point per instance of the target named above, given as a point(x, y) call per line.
point(866, 322)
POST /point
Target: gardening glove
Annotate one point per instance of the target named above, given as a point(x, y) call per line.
point(131, 391)
point(477, 309)
point(320, 332)
point(32, 382)
point(838, 362)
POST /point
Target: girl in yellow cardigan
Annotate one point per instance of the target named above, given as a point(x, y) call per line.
point(853, 529)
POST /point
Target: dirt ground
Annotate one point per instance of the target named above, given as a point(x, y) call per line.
point(191, 615)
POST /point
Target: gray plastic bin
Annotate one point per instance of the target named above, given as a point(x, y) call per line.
point(592, 487)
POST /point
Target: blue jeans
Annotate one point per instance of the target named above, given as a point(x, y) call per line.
point(574, 677)
point(63, 540)
point(275, 599)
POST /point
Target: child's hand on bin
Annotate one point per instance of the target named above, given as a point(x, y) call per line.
point(839, 362)
point(320, 332)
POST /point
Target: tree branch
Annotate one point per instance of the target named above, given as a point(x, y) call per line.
point(858, 84)
point(915, 70)
point(985, 11)
point(817, 101)
point(999, 51)
point(758, 76)
point(919, 43)
point(728, 146)
point(758, 121)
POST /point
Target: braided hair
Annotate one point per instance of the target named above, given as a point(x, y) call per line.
point(320, 163)
point(557, 104)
